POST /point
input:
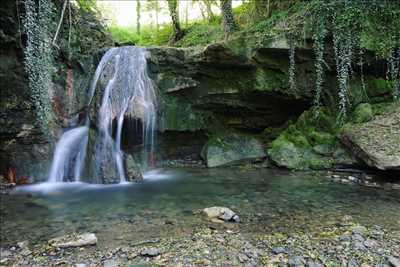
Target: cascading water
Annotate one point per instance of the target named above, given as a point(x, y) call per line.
point(69, 154)
point(129, 92)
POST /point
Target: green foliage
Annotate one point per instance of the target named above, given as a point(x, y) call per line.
point(87, 5)
point(201, 33)
point(148, 36)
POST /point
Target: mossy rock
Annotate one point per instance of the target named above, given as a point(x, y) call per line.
point(286, 154)
point(232, 149)
point(363, 113)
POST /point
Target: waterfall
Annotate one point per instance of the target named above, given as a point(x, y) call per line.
point(128, 93)
point(69, 153)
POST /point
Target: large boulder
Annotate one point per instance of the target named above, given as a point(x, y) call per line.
point(231, 149)
point(377, 142)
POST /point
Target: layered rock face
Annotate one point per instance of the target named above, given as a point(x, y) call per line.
point(377, 142)
point(21, 142)
point(214, 90)
point(24, 148)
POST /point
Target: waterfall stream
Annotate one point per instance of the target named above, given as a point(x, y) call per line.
point(128, 92)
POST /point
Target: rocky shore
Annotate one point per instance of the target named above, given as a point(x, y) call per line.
point(340, 243)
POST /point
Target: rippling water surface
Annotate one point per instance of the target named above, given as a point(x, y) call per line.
point(164, 204)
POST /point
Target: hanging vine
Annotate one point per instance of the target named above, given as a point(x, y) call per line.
point(292, 65)
point(319, 47)
point(394, 72)
point(38, 57)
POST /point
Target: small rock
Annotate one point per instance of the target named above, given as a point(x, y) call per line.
point(74, 240)
point(22, 244)
point(345, 238)
point(150, 252)
point(80, 265)
point(278, 250)
point(352, 263)
point(296, 261)
point(110, 263)
point(358, 237)
point(359, 245)
point(221, 213)
point(369, 243)
point(394, 262)
point(359, 230)
point(26, 252)
point(313, 264)
point(243, 258)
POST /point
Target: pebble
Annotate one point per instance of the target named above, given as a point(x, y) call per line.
point(369, 243)
point(150, 252)
point(358, 237)
point(110, 263)
point(296, 261)
point(278, 250)
point(313, 264)
point(352, 263)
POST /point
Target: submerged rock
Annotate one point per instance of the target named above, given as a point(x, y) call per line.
point(79, 240)
point(376, 143)
point(150, 252)
point(231, 149)
point(221, 213)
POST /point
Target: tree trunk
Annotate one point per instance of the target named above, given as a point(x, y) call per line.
point(210, 14)
point(177, 33)
point(228, 21)
point(138, 7)
point(157, 26)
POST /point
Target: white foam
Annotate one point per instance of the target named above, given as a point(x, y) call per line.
point(156, 175)
point(54, 188)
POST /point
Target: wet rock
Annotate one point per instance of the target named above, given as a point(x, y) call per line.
point(314, 264)
point(221, 213)
point(369, 243)
point(278, 250)
point(133, 172)
point(110, 263)
point(296, 261)
point(352, 263)
point(394, 262)
point(376, 142)
point(23, 244)
point(361, 230)
point(231, 149)
point(150, 252)
point(79, 240)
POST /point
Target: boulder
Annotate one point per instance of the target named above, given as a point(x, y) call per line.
point(377, 142)
point(231, 149)
point(75, 240)
point(221, 213)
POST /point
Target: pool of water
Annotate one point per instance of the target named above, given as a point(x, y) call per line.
point(164, 204)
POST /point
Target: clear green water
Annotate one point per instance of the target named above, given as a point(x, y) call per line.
point(163, 205)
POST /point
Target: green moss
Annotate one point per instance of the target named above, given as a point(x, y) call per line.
point(363, 113)
point(306, 144)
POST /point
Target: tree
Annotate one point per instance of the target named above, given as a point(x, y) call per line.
point(210, 14)
point(177, 32)
point(138, 7)
point(228, 21)
point(151, 6)
point(206, 7)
